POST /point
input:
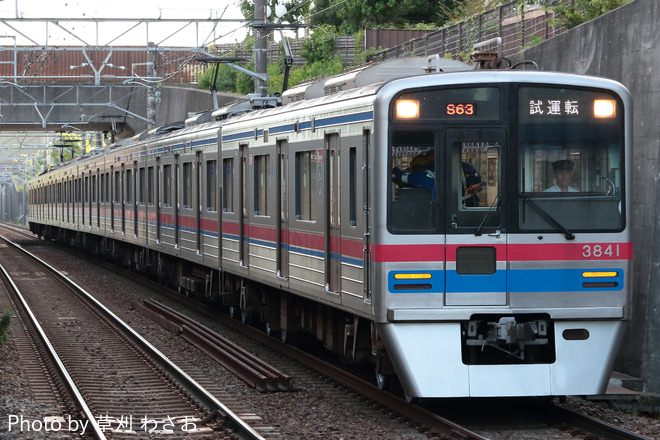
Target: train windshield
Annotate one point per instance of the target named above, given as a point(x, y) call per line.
point(570, 160)
point(415, 187)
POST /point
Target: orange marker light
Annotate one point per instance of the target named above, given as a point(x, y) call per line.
point(600, 274)
point(412, 276)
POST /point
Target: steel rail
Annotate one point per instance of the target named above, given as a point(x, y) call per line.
point(597, 426)
point(251, 369)
point(345, 378)
point(61, 368)
point(245, 431)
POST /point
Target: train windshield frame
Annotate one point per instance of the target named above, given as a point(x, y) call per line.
point(571, 168)
point(517, 144)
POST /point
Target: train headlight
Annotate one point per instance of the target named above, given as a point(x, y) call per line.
point(407, 109)
point(604, 108)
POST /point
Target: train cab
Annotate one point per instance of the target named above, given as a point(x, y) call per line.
point(508, 262)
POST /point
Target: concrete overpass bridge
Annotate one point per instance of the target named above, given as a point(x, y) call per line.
point(58, 83)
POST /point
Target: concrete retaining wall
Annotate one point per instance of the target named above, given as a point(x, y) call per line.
point(624, 45)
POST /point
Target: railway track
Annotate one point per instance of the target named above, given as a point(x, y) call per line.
point(598, 427)
point(431, 420)
point(115, 383)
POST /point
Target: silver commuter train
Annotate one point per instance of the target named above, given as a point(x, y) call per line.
point(308, 217)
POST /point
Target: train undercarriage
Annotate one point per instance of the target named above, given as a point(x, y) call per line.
point(279, 313)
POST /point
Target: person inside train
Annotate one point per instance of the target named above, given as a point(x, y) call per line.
point(472, 184)
point(420, 175)
point(563, 170)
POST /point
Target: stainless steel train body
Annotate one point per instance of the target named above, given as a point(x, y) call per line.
point(291, 216)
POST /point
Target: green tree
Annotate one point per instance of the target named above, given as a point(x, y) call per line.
point(355, 15)
point(322, 61)
point(244, 82)
point(225, 80)
point(325, 13)
point(320, 46)
point(68, 147)
point(465, 9)
point(577, 12)
point(296, 10)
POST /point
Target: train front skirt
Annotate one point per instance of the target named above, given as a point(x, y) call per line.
point(429, 364)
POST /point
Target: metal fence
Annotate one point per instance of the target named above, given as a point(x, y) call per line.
point(517, 28)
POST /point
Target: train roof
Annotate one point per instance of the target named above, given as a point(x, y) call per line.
point(362, 81)
point(372, 74)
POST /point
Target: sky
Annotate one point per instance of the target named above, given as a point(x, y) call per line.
point(121, 33)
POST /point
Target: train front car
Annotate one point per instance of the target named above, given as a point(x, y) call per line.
point(501, 250)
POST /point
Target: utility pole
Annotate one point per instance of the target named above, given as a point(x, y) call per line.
point(260, 48)
point(151, 74)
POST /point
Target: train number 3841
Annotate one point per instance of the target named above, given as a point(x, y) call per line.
point(600, 251)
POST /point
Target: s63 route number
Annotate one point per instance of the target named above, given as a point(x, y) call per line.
point(600, 251)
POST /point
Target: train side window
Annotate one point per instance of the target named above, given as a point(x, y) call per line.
point(101, 187)
point(94, 189)
point(117, 194)
point(107, 188)
point(283, 183)
point(308, 173)
point(167, 185)
point(150, 186)
point(187, 185)
point(261, 185)
point(228, 185)
point(86, 191)
point(129, 187)
point(141, 185)
point(352, 185)
point(211, 185)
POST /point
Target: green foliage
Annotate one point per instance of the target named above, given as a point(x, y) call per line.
point(302, 74)
point(355, 15)
point(70, 146)
point(229, 79)
point(466, 9)
point(320, 47)
point(225, 80)
point(316, 70)
point(244, 82)
point(296, 10)
point(325, 14)
point(351, 17)
point(5, 320)
point(581, 11)
point(534, 39)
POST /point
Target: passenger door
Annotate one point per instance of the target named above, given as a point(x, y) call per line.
point(244, 242)
point(333, 229)
point(282, 211)
point(476, 251)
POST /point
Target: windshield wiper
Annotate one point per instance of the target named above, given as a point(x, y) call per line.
point(491, 208)
point(547, 217)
